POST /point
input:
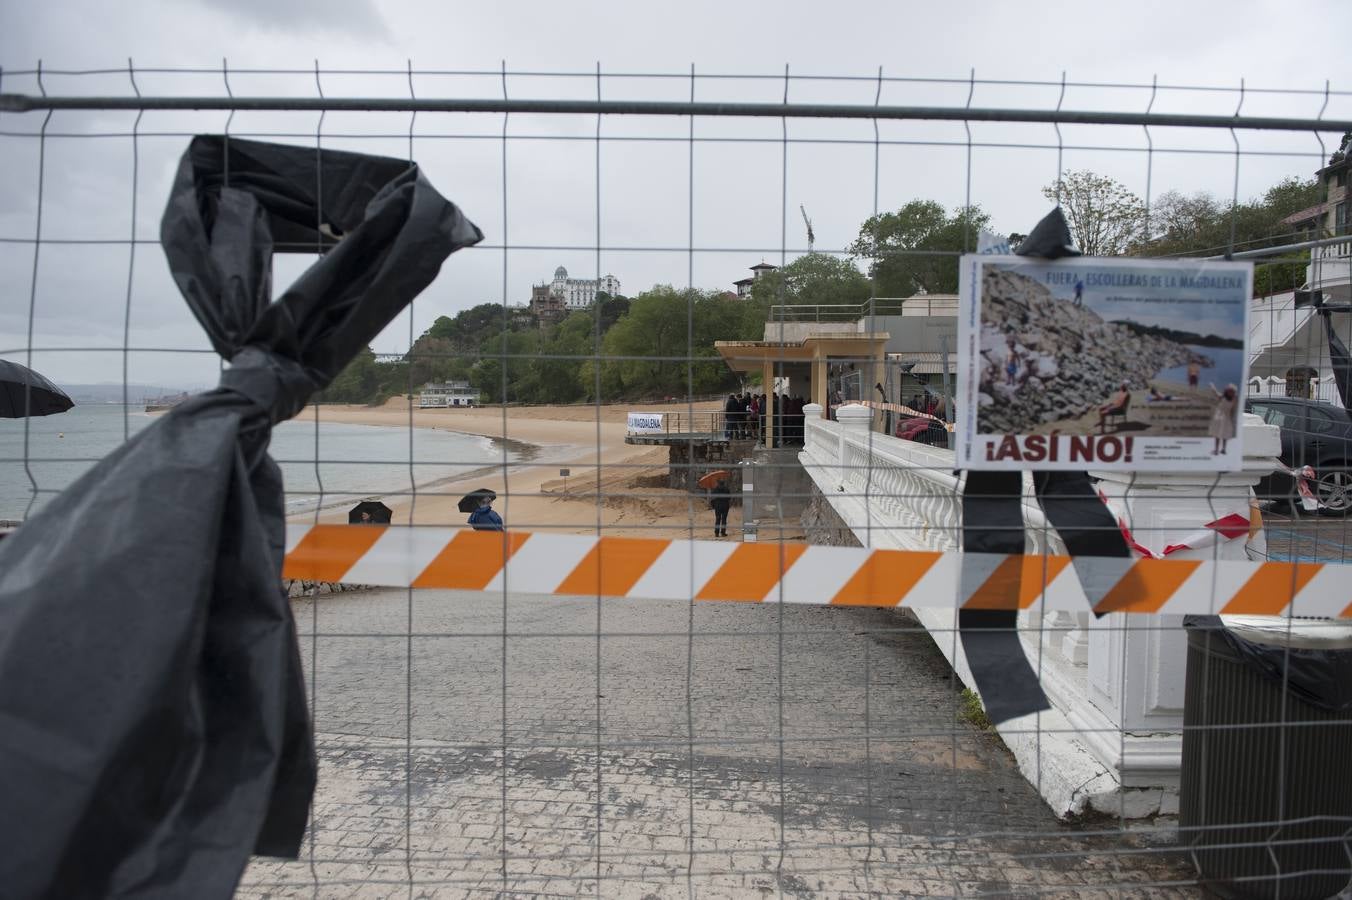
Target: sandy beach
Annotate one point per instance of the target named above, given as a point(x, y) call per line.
point(611, 484)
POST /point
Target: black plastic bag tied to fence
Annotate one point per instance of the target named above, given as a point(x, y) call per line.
point(150, 679)
point(992, 522)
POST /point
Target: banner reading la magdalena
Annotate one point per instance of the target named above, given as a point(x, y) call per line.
point(1126, 364)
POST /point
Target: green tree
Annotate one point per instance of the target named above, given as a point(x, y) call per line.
point(507, 354)
point(436, 359)
point(643, 345)
point(471, 327)
point(917, 247)
point(664, 345)
point(357, 383)
point(1344, 148)
point(817, 278)
point(556, 375)
point(1201, 225)
point(1106, 219)
point(717, 318)
point(611, 309)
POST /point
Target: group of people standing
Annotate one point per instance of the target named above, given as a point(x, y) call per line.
point(744, 417)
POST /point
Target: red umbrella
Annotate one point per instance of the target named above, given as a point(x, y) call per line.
point(713, 478)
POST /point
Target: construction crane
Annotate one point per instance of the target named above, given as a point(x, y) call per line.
point(808, 222)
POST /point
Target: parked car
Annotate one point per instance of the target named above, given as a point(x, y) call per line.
point(1313, 434)
point(922, 430)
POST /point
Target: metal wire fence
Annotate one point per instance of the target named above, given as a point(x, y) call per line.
point(497, 741)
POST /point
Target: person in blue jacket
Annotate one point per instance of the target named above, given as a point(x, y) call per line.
point(484, 518)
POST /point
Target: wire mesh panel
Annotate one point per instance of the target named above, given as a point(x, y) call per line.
point(711, 331)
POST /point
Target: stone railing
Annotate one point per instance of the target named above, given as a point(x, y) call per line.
point(1112, 741)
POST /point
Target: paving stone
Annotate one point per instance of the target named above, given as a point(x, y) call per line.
point(726, 751)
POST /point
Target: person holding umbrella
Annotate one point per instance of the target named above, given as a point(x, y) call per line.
point(720, 499)
point(479, 505)
point(369, 512)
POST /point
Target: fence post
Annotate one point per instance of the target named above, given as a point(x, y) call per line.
point(750, 527)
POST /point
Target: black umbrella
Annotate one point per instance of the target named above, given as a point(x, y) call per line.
point(155, 725)
point(24, 392)
point(379, 513)
point(470, 502)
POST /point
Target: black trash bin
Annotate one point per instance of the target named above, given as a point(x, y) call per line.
point(1266, 789)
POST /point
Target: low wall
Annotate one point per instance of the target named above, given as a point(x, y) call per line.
point(296, 587)
point(1112, 740)
point(823, 525)
point(688, 462)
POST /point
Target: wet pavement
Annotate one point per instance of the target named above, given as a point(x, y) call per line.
point(1307, 537)
point(719, 750)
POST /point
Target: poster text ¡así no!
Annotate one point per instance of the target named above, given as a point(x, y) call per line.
point(1128, 364)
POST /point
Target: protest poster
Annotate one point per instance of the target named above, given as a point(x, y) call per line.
point(1102, 363)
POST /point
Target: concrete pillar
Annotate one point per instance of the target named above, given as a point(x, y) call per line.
point(1136, 668)
point(854, 422)
point(810, 411)
point(818, 397)
point(854, 418)
point(768, 388)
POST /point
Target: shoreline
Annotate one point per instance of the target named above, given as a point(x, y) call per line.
point(612, 485)
point(522, 453)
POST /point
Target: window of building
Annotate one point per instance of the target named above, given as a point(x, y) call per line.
point(1340, 180)
point(1298, 382)
point(1340, 223)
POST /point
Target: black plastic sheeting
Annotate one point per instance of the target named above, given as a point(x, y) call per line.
point(153, 725)
point(1320, 677)
point(1341, 362)
point(1339, 358)
point(1049, 239)
point(992, 522)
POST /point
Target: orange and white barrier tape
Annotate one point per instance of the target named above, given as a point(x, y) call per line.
point(900, 408)
point(663, 569)
point(1302, 477)
point(1226, 528)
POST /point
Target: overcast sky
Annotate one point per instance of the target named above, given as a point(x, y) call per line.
point(742, 206)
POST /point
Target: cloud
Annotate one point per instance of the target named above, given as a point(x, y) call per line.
point(733, 194)
point(358, 17)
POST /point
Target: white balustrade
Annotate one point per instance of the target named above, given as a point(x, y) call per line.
point(1112, 740)
point(1330, 266)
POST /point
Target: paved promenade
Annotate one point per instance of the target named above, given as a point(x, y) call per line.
point(879, 788)
point(1307, 537)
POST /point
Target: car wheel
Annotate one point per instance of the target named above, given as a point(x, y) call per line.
point(1334, 490)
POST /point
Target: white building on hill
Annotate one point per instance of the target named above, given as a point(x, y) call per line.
point(451, 393)
point(580, 293)
point(1288, 344)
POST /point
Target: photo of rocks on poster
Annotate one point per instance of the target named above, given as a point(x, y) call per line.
point(1104, 363)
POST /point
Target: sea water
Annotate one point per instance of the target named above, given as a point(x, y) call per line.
point(323, 464)
point(1229, 368)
